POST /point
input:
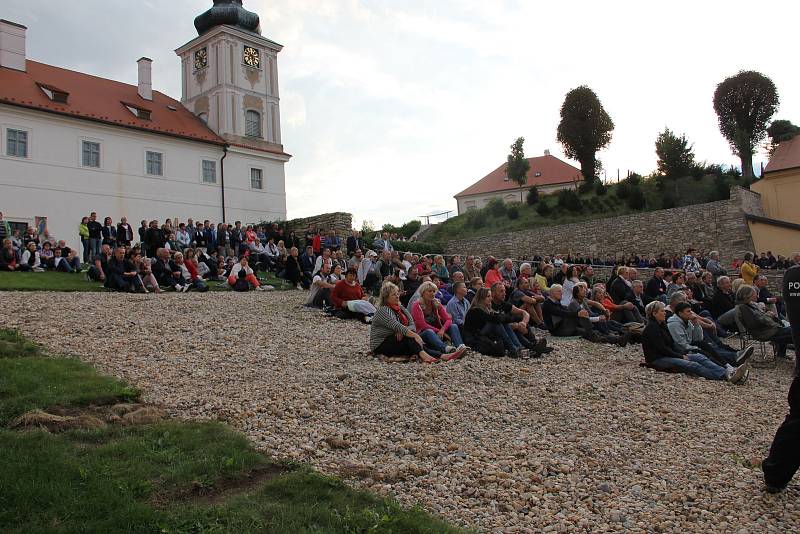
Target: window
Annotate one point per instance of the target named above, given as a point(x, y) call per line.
point(17, 143)
point(209, 171)
point(54, 93)
point(252, 121)
point(155, 163)
point(144, 114)
point(204, 117)
point(256, 179)
point(90, 154)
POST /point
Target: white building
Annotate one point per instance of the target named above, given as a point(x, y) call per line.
point(72, 143)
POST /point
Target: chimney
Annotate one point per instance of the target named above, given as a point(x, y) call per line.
point(12, 45)
point(546, 152)
point(146, 78)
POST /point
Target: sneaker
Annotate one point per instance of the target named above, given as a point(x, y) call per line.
point(368, 319)
point(736, 375)
point(462, 347)
point(516, 353)
point(743, 355)
point(185, 288)
point(450, 349)
point(178, 288)
point(459, 353)
point(260, 288)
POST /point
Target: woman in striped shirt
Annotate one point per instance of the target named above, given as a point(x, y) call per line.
point(392, 330)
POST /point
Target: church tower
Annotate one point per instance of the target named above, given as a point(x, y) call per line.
point(230, 77)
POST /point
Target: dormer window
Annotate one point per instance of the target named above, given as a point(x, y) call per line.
point(54, 93)
point(140, 113)
point(537, 174)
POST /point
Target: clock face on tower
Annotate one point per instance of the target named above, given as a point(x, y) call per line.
point(201, 59)
point(252, 57)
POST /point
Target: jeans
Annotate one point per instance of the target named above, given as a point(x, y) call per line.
point(434, 345)
point(94, 246)
point(695, 364)
point(86, 249)
point(497, 331)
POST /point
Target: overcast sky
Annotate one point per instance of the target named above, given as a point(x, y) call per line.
point(391, 108)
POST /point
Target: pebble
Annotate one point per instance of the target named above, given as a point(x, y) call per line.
point(581, 440)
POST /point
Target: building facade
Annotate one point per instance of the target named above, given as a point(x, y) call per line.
point(548, 173)
point(72, 143)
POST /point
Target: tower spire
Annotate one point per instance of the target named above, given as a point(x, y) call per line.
point(228, 13)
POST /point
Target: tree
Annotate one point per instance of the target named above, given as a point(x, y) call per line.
point(636, 198)
point(517, 166)
point(569, 200)
point(675, 156)
point(533, 196)
point(584, 129)
point(744, 103)
point(779, 131)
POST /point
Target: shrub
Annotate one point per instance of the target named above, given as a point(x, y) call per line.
point(734, 172)
point(568, 199)
point(668, 199)
point(623, 189)
point(533, 196)
point(513, 212)
point(636, 198)
point(587, 186)
point(418, 247)
point(720, 189)
point(476, 218)
point(496, 207)
point(600, 188)
point(407, 230)
point(698, 171)
point(543, 208)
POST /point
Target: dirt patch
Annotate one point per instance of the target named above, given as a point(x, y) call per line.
point(200, 493)
point(62, 418)
point(144, 416)
point(56, 423)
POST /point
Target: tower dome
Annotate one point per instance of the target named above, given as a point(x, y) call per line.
point(228, 13)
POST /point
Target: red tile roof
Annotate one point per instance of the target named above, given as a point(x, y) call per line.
point(786, 156)
point(100, 100)
point(553, 171)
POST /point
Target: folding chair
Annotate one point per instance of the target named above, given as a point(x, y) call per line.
point(764, 359)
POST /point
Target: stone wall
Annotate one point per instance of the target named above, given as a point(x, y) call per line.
point(339, 221)
point(712, 226)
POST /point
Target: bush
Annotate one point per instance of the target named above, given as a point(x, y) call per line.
point(407, 230)
point(543, 208)
point(698, 171)
point(533, 196)
point(496, 207)
point(513, 212)
point(623, 189)
point(720, 189)
point(668, 199)
point(636, 198)
point(418, 247)
point(569, 200)
point(600, 188)
point(715, 169)
point(476, 218)
point(588, 186)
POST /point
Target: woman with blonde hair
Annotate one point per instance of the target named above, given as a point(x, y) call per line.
point(392, 332)
point(484, 331)
point(748, 269)
point(435, 325)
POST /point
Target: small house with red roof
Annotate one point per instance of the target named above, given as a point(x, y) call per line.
point(547, 173)
point(72, 143)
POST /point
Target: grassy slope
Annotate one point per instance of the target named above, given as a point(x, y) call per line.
point(53, 281)
point(157, 478)
point(690, 191)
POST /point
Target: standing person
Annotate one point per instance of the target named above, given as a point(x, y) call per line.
point(83, 233)
point(143, 236)
point(95, 234)
point(353, 244)
point(748, 269)
point(124, 233)
point(109, 233)
point(155, 239)
point(784, 454)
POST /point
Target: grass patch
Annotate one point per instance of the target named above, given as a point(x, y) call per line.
point(68, 282)
point(167, 477)
point(14, 344)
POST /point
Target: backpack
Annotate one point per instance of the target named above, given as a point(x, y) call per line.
point(241, 284)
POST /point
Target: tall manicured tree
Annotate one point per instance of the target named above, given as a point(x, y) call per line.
point(744, 104)
point(517, 166)
point(584, 129)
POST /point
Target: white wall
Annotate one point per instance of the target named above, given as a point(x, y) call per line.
point(52, 183)
point(514, 195)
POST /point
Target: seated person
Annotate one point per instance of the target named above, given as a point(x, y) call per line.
point(349, 297)
point(759, 324)
point(243, 270)
point(623, 313)
point(637, 286)
point(8, 258)
point(530, 300)
point(69, 262)
point(47, 256)
point(563, 322)
point(31, 261)
point(166, 272)
point(520, 327)
point(458, 306)
point(678, 284)
point(723, 305)
point(191, 279)
point(144, 267)
point(772, 303)
point(321, 286)
point(392, 331)
point(599, 316)
point(368, 275)
point(410, 286)
point(475, 283)
point(656, 287)
point(493, 275)
point(121, 274)
point(484, 328)
point(508, 275)
point(307, 263)
point(434, 324)
point(687, 334)
point(544, 277)
point(292, 270)
point(440, 269)
point(661, 353)
point(97, 271)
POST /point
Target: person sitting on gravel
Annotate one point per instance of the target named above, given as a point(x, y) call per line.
point(529, 299)
point(484, 329)
point(190, 279)
point(434, 324)
point(687, 334)
point(563, 322)
point(544, 277)
point(122, 274)
point(242, 270)
point(656, 287)
point(166, 272)
point(661, 353)
point(320, 294)
point(520, 326)
point(350, 300)
point(440, 269)
point(458, 305)
point(392, 332)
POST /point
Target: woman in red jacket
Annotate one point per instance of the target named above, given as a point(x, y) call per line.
point(493, 274)
point(348, 296)
point(434, 325)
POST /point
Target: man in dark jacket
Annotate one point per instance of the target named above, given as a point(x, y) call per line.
point(561, 321)
point(155, 239)
point(166, 272)
point(620, 290)
point(95, 234)
point(656, 289)
point(353, 244)
point(784, 454)
point(122, 274)
point(308, 262)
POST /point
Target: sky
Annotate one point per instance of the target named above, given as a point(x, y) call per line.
point(391, 108)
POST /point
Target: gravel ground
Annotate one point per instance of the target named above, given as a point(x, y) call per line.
point(583, 440)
